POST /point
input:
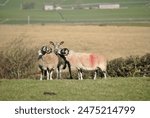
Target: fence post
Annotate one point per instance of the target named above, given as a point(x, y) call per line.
point(28, 20)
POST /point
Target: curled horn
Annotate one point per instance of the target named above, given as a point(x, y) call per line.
point(51, 43)
point(65, 51)
point(42, 52)
point(44, 48)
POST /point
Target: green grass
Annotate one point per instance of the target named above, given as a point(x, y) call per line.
point(101, 89)
point(132, 11)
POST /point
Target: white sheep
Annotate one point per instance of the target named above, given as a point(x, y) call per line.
point(82, 61)
point(62, 57)
point(87, 61)
point(47, 61)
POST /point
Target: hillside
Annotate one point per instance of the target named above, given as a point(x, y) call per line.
point(74, 11)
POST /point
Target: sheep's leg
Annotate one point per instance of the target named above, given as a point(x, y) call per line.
point(80, 75)
point(42, 71)
point(104, 72)
point(51, 74)
point(48, 74)
point(41, 76)
point(95, 74)
point(69, 68)
point(58, 73)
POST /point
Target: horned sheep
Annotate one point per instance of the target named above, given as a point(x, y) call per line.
point(49, 61)
point(82, 61)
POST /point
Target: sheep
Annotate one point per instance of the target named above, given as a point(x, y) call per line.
point(87, 61)
point(82, 61)
point(62, 57)
point(48, 62)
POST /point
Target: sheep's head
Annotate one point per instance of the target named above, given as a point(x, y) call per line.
point(56, 45)
point(44, 50)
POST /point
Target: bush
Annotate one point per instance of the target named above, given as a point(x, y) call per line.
point(145, 65)
point(17, 61)
point(132, 66)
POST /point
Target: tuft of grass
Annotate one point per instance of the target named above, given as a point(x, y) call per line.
point(122, 89)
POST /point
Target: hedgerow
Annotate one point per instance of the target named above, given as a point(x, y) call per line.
point(18, 61)
point(133, 66)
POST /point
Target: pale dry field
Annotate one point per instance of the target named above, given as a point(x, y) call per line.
point(111, 41)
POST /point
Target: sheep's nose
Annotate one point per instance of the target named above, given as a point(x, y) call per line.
point(57, 51)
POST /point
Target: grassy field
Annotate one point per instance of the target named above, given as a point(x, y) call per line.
point(129, 35)
point(111, 41)
point(101, 89)
point(131, 12)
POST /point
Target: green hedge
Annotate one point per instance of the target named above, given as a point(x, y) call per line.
point(133, 66)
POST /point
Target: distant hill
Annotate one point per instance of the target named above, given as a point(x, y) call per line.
point(74, 11)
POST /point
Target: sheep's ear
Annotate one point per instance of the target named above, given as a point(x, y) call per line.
point(51, 43)
point(62, 42)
